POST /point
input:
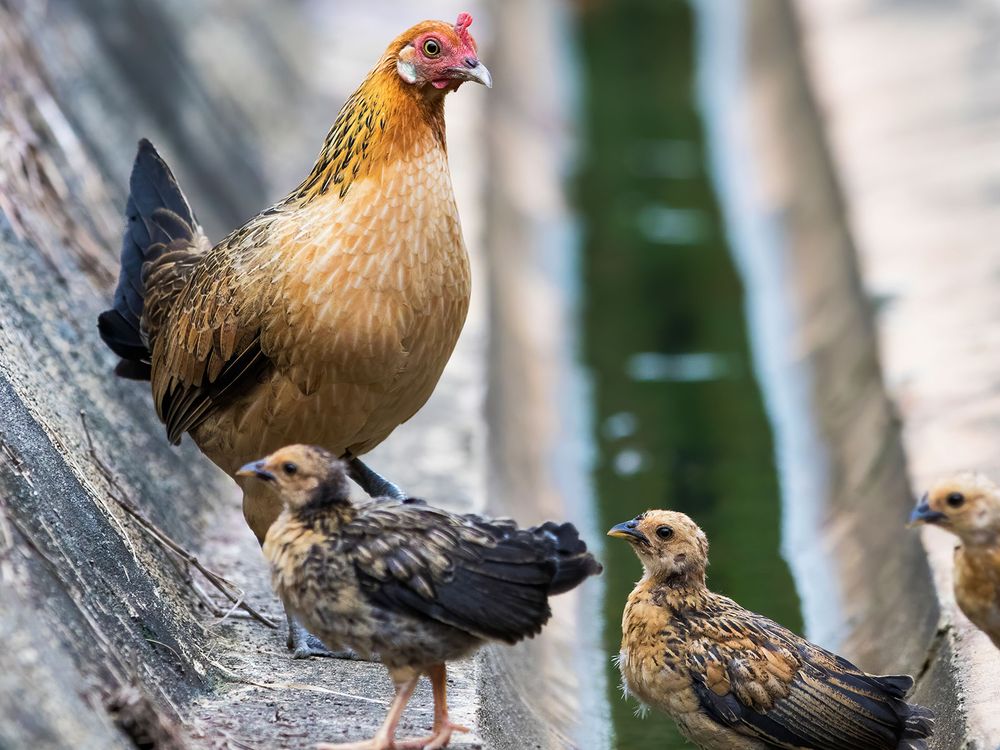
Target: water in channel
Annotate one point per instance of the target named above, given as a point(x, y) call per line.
point(679, 417)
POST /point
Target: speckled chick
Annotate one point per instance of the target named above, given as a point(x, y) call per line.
point(735, 680)
point(417, 585)
point(968, 505)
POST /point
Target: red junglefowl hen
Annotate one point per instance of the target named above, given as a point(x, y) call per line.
point(415, 584)
point(735, 680)
point(328, 317)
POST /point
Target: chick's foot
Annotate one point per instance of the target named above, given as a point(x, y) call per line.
point(376, 743)
point(438, 740)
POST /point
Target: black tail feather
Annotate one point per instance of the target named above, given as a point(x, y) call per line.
point(918, 726)
point(574, 563)
point(156, 214)
point(895, 684)
point(918, 721)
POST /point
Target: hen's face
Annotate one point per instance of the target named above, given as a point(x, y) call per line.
point(666, 542)
point(442, 56)
point(968, 505)
point(298, 472)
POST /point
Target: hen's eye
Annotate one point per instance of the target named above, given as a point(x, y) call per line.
point(289, 468)
point(664, 532)
point(955, 499)
point(432, 48)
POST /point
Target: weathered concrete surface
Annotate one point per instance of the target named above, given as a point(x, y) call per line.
point(911, 103)
point(89, 603)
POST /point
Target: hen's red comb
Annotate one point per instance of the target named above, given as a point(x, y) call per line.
point(462, 27)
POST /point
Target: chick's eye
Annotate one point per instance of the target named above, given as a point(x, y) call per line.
point(432, 48)
point(664, 532)
point(289, 468)
point(955, 499)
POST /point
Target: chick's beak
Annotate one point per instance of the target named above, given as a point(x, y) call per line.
point(255, 469)
point(473, 70)
point(923, 514)
point(629, 532)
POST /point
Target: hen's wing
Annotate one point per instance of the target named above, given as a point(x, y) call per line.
point(487, 578)
point(761, 680)
point(238, 318)
point(206, 346)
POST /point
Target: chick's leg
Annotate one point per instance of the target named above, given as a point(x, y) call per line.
point(374, 484)
point(443, 728)
point(384, 739)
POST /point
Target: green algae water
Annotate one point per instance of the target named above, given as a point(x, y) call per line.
point(679, 418)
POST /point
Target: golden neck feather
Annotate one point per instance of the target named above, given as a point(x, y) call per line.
point(384, 121)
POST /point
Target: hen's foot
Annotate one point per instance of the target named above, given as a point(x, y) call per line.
point(304, 644)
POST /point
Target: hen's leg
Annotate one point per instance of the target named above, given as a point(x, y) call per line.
point(304, 644)
point(371, 482)
point(443, 728)
point(384, 738)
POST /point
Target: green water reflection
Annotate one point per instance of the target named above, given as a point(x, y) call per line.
point(679, 416)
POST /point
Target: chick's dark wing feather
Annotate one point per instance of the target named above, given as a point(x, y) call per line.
point(490, 580)
point(758, 678)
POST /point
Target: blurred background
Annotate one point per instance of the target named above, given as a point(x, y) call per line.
point(709, 243)
point(679, 419)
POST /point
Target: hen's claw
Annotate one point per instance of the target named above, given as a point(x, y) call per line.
point(305, 645)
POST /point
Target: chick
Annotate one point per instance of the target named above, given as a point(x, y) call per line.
point(968, 505)
point(417, 585)
point(735, 680)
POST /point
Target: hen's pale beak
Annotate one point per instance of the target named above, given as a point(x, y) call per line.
point(255, 469)
point(473, 70)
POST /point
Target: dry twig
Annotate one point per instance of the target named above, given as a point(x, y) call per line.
point(230, 590)
point(292, 686)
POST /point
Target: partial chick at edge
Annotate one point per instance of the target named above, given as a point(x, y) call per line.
point(968, 506)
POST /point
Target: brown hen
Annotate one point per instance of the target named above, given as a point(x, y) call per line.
point(968, 505)
point(735, 680)
point(327, 318)
point(417, 585)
